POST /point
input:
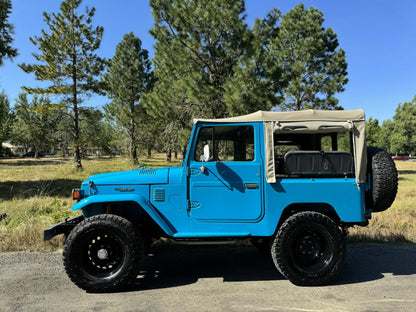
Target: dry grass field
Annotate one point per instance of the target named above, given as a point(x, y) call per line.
point(36, 194)
point(398, 223)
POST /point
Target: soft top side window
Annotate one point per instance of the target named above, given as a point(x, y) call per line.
point(317, 154)
point(225, 143)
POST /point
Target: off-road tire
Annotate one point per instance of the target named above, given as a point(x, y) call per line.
point(309, 249)
point(384, 179)
point(103, 253)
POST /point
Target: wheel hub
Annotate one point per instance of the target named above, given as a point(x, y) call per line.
point(307, 246)
point(102, 254)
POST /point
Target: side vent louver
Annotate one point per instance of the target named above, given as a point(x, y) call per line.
point(158, 195)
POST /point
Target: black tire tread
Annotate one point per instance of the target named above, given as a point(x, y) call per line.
point(280, 254)
point(134, 244)
point(384, 179)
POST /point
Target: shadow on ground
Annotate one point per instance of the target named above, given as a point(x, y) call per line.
point(26, 189)
point(172, 266)
point(371, 261)
point(406, 171)
point(31, 162)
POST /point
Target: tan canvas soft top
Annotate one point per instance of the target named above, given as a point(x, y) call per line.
point(308, 121)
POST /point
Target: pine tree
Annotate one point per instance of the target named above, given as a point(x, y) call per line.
point(198, 43)
point(257, 80)
point(95, 132)
point(313, 67)
point(68, 61)
point(35, 122)
point(6, 119)
point(128, 76)
point(6, 30)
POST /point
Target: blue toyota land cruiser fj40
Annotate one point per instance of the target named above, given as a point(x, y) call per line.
point(291, 182)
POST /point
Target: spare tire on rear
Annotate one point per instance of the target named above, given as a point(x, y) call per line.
point(384, 179)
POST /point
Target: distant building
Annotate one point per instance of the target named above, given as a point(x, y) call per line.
point(15, 149)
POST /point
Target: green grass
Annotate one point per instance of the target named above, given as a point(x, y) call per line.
point(36, 194)
point(398, 223)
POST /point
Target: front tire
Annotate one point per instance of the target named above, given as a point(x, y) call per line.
point(103, 253)
point(309, 249)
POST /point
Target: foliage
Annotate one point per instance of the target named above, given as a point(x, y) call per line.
point(403, 137)
point(128, 76)
point(6, 30)
point(197, 45)
point(372, 132)
point(312, 65)
point(397, 136)
point(34, 124)
point(385, 136)
point(96, 132)
point(68, 61)
point(257, 80)
point(6, 119)
point(208, 63)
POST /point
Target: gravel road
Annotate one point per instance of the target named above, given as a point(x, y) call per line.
point(377, 277)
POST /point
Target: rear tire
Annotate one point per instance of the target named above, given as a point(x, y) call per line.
point(309, 249)
point(103, 253)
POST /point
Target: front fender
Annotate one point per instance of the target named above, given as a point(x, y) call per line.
point(139, 199)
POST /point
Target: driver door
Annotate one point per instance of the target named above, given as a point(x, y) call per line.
point(225, 177)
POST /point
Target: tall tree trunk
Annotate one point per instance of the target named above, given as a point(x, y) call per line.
point(169, 155)
point(183, 152)
point(133, 145)
point(133, 152)
point(77, 152)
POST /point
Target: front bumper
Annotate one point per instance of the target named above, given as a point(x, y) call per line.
point(63, 227)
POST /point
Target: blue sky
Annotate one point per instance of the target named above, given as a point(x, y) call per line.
point(379, 37)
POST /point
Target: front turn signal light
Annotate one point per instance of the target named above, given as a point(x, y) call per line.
point(77, 194)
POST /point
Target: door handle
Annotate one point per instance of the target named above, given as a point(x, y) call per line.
point(251, 186)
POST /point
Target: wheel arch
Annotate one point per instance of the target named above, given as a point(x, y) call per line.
point(294, 208)
point(132, 207)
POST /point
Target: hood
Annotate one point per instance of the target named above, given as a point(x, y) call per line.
point(132, 177)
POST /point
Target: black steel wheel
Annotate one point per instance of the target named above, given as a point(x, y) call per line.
point(103, 253)
point(309, 249)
